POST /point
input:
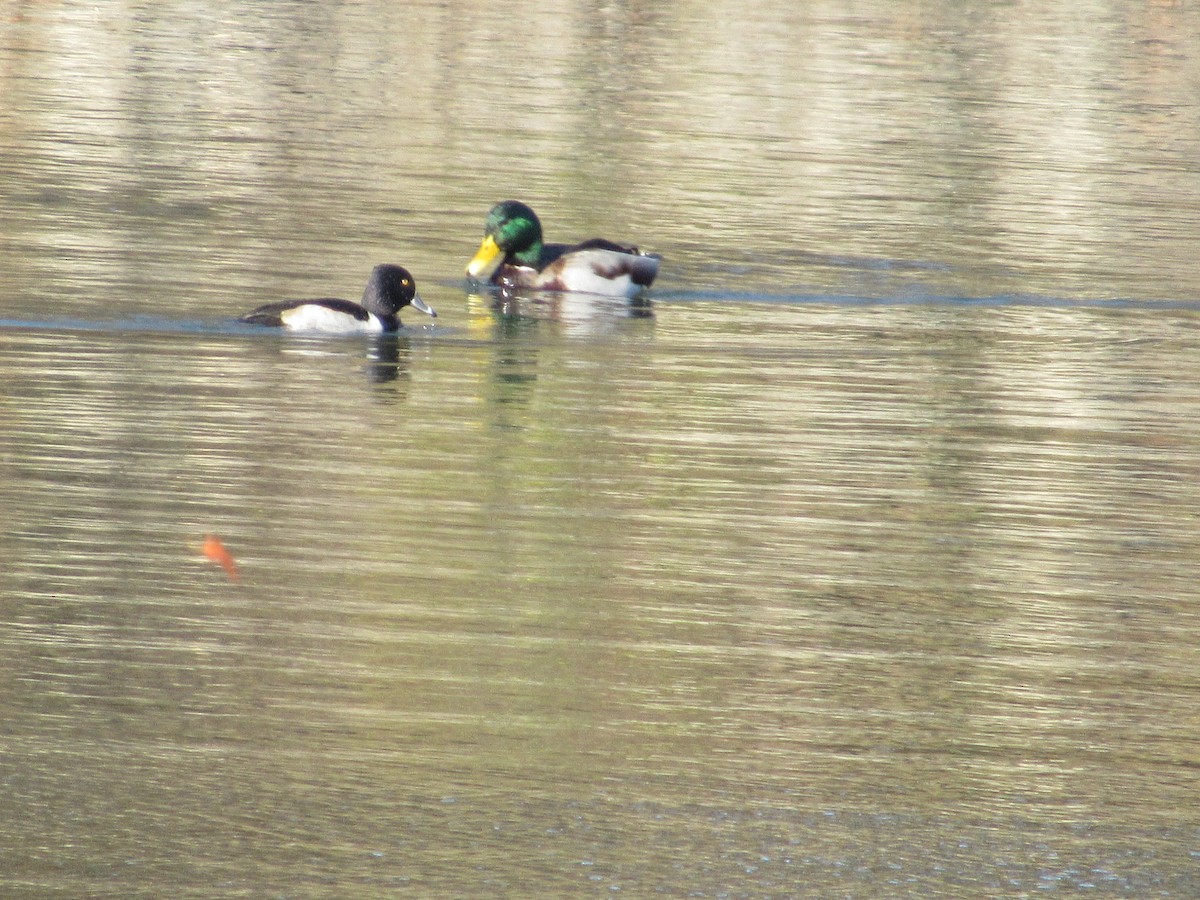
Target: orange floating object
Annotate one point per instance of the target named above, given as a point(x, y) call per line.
point(215, 550)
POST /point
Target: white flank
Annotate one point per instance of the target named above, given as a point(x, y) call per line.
point(589, 282)
point(314, 317)
point(579, 274)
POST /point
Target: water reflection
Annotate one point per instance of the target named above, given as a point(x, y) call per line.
point(388, 358)
point(927, 137)
point(853, 577)
point(863, 558)
point(568, 314)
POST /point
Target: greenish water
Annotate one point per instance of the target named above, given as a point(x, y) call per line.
point(861, 561)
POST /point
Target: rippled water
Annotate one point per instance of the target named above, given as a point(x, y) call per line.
point(860, 561)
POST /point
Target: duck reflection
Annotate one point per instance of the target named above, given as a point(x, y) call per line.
point(570, 313)
point(524, 331)
point(389, 359)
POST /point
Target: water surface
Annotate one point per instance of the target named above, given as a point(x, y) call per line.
point(859, 561)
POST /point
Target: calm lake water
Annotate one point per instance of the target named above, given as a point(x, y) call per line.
point(861, 560)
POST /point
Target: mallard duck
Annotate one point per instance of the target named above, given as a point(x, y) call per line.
point(513, 255)
point(389, 289)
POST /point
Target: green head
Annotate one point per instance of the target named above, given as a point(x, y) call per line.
point(511, 232)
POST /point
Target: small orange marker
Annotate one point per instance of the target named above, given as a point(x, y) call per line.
point(215, 550)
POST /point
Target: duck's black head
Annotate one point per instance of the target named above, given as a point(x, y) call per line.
point(391, 288)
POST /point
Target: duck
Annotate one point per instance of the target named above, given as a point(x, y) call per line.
point(514, 256)
point(389, 289)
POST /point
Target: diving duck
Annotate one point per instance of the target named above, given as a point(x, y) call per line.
point(513, 256)
point(389, 289)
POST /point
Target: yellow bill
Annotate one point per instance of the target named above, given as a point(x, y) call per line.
point(486, 261)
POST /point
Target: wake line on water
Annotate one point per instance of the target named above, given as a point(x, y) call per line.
point(920, 299)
